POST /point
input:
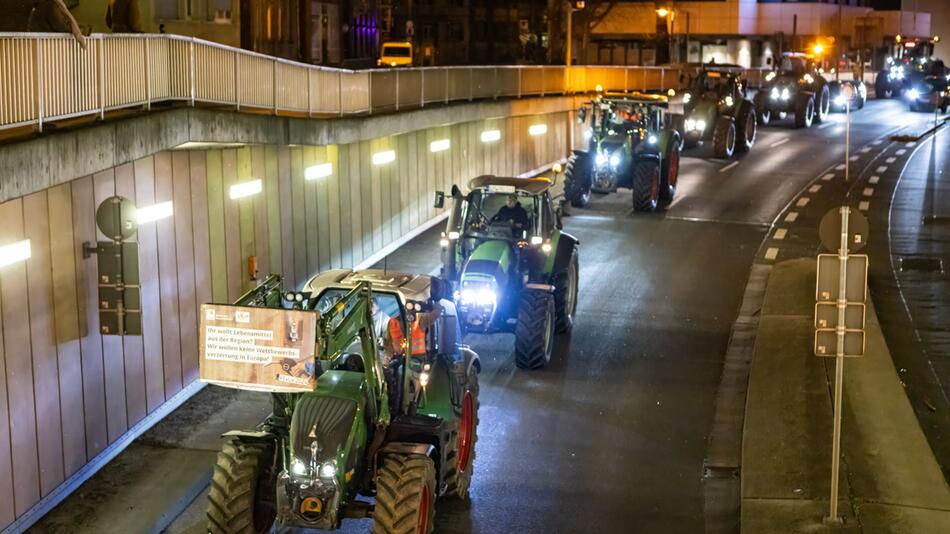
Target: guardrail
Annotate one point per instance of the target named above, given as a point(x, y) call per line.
point(46, 77)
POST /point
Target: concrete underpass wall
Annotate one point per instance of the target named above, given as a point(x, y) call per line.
point(68, 394)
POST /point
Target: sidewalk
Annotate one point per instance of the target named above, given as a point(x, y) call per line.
point(890, 480)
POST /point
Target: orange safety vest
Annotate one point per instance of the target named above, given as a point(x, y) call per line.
point(418, 346)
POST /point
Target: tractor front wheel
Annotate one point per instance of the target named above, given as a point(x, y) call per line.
point(405, 495)
point(671, 169)
point(243, 494)
point(824, 104)
point(534, 334)
point(565, 293)
point(745, 128)
point(804, 110)
point(762, 113)
point(724, 137)
point(646, 185)
point(461, 458)
point(577, 180)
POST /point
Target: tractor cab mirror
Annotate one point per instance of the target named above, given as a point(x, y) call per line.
point(448, 332)
point(439, 200)
point(582, 115)
point(456, 192)
point(558, 213)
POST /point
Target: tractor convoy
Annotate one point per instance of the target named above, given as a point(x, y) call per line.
point(375, 395)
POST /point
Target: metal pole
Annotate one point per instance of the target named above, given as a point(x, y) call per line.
point(847, 140)
point(570, 32)
point(839, 366)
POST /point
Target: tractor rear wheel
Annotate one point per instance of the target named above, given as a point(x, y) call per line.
point(534, 334)
point(646, 185)
point(577, 180)
point(824, 103)
point(405, 495)
point(804, 110)
point(565, 293)
point(762, 113)
point(243, 494)
point(745, 127)
point(724, 137)
point(670, 169)
point(460, 461)
point(881, 88)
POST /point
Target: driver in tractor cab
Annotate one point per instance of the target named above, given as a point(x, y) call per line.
point(512, 213)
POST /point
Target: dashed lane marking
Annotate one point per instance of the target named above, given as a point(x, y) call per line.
point(771, 253)
point(727, 167)
point(780, 233)
point(781, 141)
point(874, 179)
point(882, 168)
point(890, 160)
point(802, 202)
point(868, 191)
point(901, 151)
point(912, 144)
point(877, 142)
point(854, 158)
point(866, 149)
point(825, 125)
point(815, 188)
point(828, 177)
point(864, 205)
point(792, 215)
point(839, 167)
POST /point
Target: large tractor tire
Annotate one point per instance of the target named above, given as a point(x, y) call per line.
point(243, 495)
point(460, 461)
point(745, 127)
point(405, 495)
point(762, 113)
point(678, 123)
point(565, 292)
point(577, 180)
point(534, 334)
point(646, 185)
point(724, 137)
point(670, 171)
point(881, 88)
point(804, 110)
point(823, 103)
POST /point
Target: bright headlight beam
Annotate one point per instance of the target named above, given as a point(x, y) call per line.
point(316, 172)
point(153, 212)
point(490, 136)
point(384, 157)
point(245, 189)
point(15, 252)
point(440, 145)
point(538, 129)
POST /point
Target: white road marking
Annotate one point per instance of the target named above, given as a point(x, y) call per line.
point(771, 253)
point(874, 179)
point(792, 215)
point(825, 125)
point(882, 168)
point(828, 177)
point(866, 149)
point(890, 160)
point(781, 141)
point(839, 167)
point(864, 205)
point(780, 233)
point(901, 151)
point(814, 189)
point(868, 191)
point(802, 202)
point(912, 144)
point(727, 167)
point(877, 142)
point(854, 158)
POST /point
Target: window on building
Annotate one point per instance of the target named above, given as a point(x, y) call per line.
point(456, 31)
point(166, 9)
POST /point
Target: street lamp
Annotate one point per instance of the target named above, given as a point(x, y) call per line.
point(663, 12)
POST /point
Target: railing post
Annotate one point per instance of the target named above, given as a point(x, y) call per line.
point(274, 91)
point(237, 77)
point(148, 76)
point(39, 84)
point(191, 68)
point(446, 88)
point(471, 84)
point(309, 92)
point(626, 81)
point(497, 86)
point(369, 84)
point(520, 75)
point(102, 78)
point(339, 91)
point(542, 80)
point(397, 89)
point(422, 88)
point(662, 77)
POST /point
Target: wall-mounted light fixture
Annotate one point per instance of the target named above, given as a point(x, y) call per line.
point(490, 136)
point(153, 212)
point(245, 189)
point(538, 129)
point(14, 252)
point(440, 146)
point(384, 157)
point(316, 172)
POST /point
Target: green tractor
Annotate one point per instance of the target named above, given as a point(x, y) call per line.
point(512, 268)
point(715, 108)
point(631, 144)
point(400, 431)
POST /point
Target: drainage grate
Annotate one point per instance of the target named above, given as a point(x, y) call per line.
point(932, 265)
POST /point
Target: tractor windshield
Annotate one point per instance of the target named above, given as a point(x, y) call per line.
point(505, 215)
point(710, 87)
point(794, 65)
point(385, 307)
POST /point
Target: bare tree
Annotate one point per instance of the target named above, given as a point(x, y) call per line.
point(593, 13)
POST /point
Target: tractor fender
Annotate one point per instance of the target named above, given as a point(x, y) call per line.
point(580, 151)
point(405, 447)
point(250, 436)
point(470, 360)
point(566, 245)
point(651, 156)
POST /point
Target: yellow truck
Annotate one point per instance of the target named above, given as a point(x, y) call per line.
point(395, 54)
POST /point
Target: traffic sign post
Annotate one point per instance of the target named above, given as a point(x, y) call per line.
point(840, 295)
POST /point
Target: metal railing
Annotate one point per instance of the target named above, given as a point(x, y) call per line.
point(47, 77)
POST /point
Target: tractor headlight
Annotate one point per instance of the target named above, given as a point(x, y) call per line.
point(913, 94)
point(651, 139)
point(328, 470)
point(687, 97)
point(770, 76)
point(774, 94)
point(840, 100)
point(808, 78)
point(299, 468)
point(601, 159)
point(785, 94)
point(728, 101)
point(690, 125)
point(614, 160)
point(700, 125)
point(588, 134)
point(479, 295)
point(546, 247)
point(900, 74)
